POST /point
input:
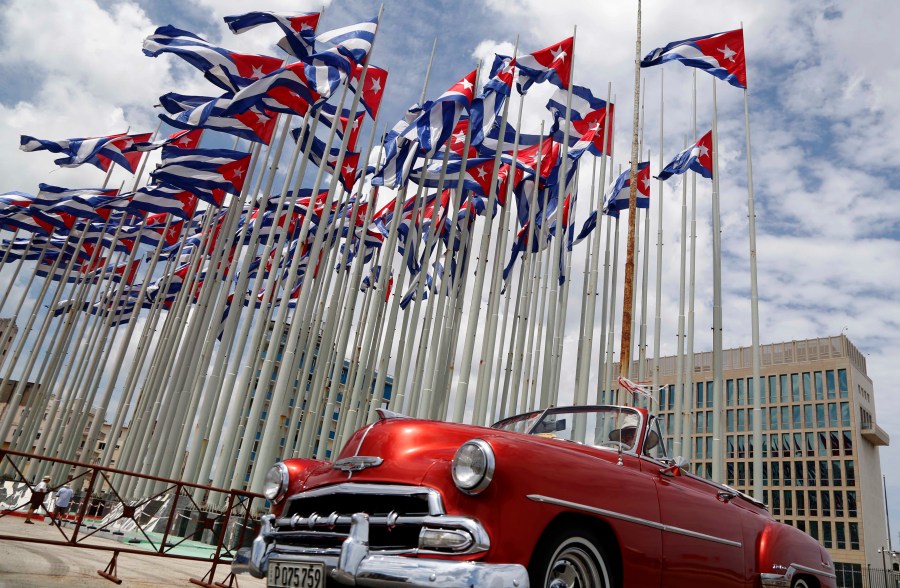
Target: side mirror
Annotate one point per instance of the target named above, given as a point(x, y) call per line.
point(675, 467)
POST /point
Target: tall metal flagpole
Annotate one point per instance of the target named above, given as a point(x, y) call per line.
point(625, 347)
point(717, 452)
point(692, 272)
point(680, 392)
point(657, 321)
point(754, 311)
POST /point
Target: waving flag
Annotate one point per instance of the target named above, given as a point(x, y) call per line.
point(318, 156)
point(588, 118)
point(400, 152)
point(180, 139)
point(98, 151)
point(328, 115)
point(373, 89)
point(162, 199)
point(697, 157)
point(230, 71)
point(208, 173)
point(253, 124)
point(438, 118)
point(617, 196)
point(552, 64)
point(353, 41)
point(289, 86)
point(721, 54)
point(486, 108)
point(299, 29)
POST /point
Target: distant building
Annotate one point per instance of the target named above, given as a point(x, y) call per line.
point(7, 327)
point(821, 469)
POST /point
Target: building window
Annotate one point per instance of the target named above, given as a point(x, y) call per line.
point(823, 473)
point(820, 415)
point(785, 417)
point(845, 414)
point(773, 417)
point(729, 445)
point(729, 392)
point(796, 412)
point(848, 443)
point(798, 473)
point(801, 503)
point(740, 392)
point(850, 470)
point(810, 445)
point(785, 393)
point(813, 504)
point(842, 382)
point(851, 504)
point(795, 387)
point(826, 535)
point(814, 529)
point(807, 386)
point(839, 535)
point(829, 384)
point(808, 416)
point(811, 473)
point(854, 536)
point(773, 390)
point(820, 392)
point(836, 473)
point(826, 503)
point(838, 503)
point(786, 473)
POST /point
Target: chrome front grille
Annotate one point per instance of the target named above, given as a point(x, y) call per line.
point(318, 521)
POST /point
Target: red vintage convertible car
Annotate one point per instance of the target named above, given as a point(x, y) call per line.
point(578, 496)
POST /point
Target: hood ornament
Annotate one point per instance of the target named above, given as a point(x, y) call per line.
point(357, 463)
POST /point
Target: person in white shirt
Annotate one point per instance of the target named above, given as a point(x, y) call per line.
point(63, 500)
point(38, 493)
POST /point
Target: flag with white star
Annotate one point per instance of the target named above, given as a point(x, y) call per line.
point(552, 64)
point(721, 54)
point(697, 157)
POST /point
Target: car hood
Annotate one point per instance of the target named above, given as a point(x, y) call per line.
point(408, 448)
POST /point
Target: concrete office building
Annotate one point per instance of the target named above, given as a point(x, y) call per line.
point(821, 469)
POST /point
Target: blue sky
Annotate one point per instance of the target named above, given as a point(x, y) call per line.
point(823, 81)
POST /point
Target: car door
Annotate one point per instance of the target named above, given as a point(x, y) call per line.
point(702, 536)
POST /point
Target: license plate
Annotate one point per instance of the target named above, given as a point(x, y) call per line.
point(284, 574)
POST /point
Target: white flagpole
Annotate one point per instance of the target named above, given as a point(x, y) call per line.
point(718, 405)
point(754, 319)
point(657, 323)
point(465, 367)
point(552, 340)
point(680, 393)
point(688, 387)
point(610, 350)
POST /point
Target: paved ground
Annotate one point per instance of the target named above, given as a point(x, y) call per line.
point(33, 565)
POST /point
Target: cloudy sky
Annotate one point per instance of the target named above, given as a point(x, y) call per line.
point(823, 82)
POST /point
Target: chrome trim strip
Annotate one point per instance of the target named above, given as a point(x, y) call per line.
point(631, 519)
point(801, 568)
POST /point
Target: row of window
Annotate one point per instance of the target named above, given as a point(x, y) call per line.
point(794, 473)
point(812, 503)
point(805, 386)
point(831, 534)
point(809, 444)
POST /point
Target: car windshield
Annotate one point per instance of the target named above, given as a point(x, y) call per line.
point(613, 427)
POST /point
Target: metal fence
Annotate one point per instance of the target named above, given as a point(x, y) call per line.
point(174, 519)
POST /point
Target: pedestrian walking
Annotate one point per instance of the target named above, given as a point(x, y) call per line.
point(63, 500)
point(38, 493)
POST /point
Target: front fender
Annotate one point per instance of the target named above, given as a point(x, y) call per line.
point(785, 552)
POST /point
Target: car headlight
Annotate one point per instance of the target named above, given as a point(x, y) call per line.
point(473, 466)
point(276, 483)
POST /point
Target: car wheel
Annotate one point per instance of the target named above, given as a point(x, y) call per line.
point(800, 583)
point(571, 559)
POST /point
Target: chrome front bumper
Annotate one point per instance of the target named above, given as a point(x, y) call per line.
point(783, 580)
point(355, 566)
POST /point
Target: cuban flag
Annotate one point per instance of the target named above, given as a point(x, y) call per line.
point(617, 196)
point(434, 126)
point(288, 86)
point(253, 124)
point(299, 28)
point(354, 41)
point(163, 199)
point(98, 151)
point(552, 64)
point(328, 115)
point(697, 157)
point(208, 173)
point(400, 153)
point(318, 156)
point(588, 116)
point(13, 202)
point(486, 108)
point(721, 54)
point(230, 71)
point(373, 89)
point(180, 139)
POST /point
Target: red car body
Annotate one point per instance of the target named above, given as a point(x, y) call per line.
point(553, 513)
